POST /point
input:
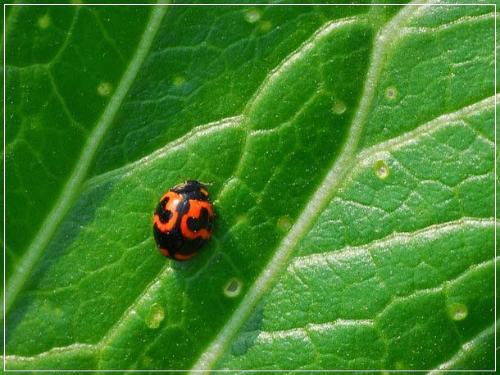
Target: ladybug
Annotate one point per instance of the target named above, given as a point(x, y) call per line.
point(183, 220)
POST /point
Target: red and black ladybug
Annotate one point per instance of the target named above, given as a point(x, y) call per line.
point(183, 220)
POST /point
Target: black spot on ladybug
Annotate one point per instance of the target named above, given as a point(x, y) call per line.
point(164, 202)
point(195, 224)
point(165, 215)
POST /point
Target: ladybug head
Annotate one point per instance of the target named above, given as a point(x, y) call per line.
point(192, 188)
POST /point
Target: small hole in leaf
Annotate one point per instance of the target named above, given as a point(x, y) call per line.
point(381, 169)
point(44, 21)
point(252, 15)
point(232, 288)
point(155, 316)
point(178, 81)
point(104, 88)
point(458, 311)
point(391, 93)
point(284, 223)
point(265, 26)
point(339, 107)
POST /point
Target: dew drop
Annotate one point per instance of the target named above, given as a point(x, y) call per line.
point(391, 93)
point(44, 21)
point(284, 223)
point(252, 15)
point(339, 107)
point(155, 316)
point(104, 88)
point(232, 288)
point(381, 169)
point(458, 311)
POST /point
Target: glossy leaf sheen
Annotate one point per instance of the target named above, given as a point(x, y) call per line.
point(349, 152)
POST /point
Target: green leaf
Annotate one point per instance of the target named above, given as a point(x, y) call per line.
point(350, 156)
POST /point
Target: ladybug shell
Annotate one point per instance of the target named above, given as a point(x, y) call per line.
point(183, 220)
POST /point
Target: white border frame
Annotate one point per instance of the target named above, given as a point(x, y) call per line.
point(246, 5)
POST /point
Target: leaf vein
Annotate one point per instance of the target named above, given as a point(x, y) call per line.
point(429, 128)
point(195, 134)
point(395, 238)
point(76, 179)
point(465, 348)
point(318, 201)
